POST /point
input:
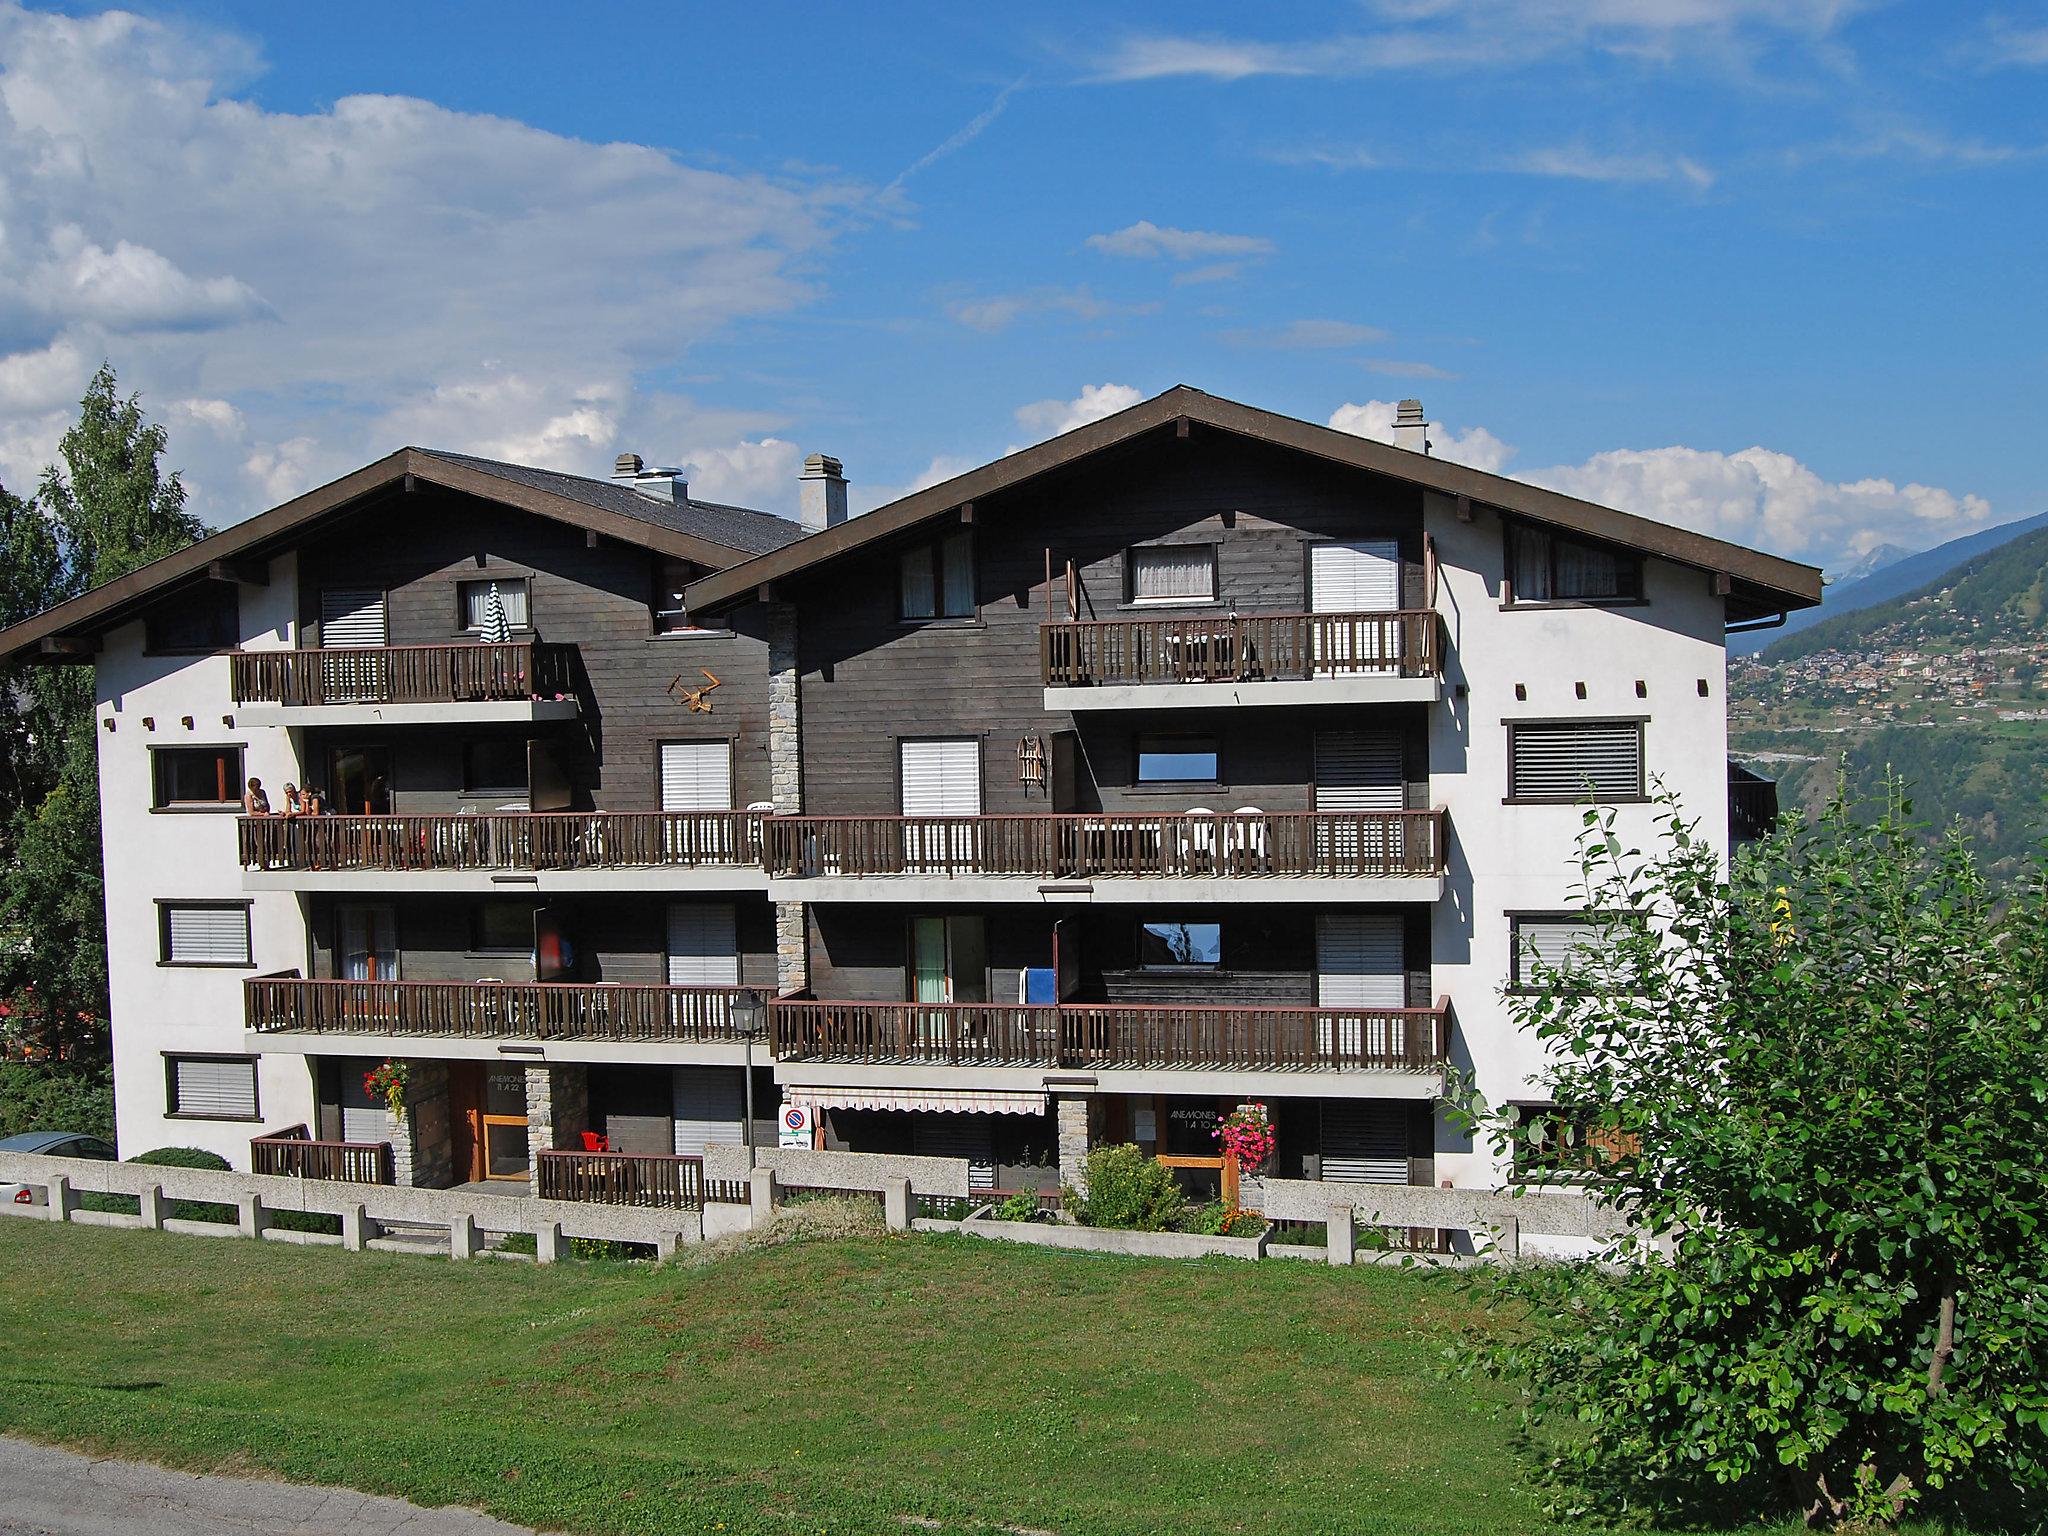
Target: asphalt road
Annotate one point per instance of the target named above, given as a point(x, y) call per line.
point(45, 1492)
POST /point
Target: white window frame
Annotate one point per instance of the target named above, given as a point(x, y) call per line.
point(166, 927)
point(1133, 559)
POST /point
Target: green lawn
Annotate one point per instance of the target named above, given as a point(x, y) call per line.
point(826, 1386)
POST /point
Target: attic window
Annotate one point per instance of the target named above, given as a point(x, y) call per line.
point(671, 576)
point(1545, 567)
point(936, 580)
point(195, 623)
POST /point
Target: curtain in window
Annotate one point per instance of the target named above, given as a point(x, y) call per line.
point(1529, 565)
point(1173, 572)
point(956, 560)
point(1583, 571)
point(920, 595)
point(476, 597)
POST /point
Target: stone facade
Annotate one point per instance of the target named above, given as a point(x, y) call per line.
point(786, 785)
point(423, 1138)
point(557, 1110)
point(1076, 1120)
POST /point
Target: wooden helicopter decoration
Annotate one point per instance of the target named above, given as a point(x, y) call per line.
point(694, 697)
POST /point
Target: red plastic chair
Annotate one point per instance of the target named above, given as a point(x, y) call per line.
point(592, 1142)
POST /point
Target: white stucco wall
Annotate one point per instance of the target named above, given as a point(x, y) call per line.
point(1518, 858)
point(150, 856)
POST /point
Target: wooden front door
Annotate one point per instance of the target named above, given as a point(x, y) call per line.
point(487, 1104)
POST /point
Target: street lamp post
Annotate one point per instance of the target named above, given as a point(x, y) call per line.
point(749, 1017)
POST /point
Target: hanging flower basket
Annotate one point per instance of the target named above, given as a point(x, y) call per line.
point(1247, 1131)
point(387, 1082)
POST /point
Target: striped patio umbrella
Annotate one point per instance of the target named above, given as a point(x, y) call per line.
point(495, 630)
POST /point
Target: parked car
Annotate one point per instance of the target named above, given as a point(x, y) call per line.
point(50, 1144)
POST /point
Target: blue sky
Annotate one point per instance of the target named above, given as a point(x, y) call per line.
point(1770, 268)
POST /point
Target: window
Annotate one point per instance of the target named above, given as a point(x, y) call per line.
point(352, 618)
point(494, 766)
point(210, 1087)
point(1170, 573)
point(696, 775)
point(474, 601)
point(670, 578)
point(948, 960)
point(204, 932)
point(1544, 567)
point(1178, 760)
point(197, 778)
point(1558, 940)
point(502, 929)
point(1180, 946)
point(936, 580)
point(1572, 760)
point(198, 622)
point(940, 778)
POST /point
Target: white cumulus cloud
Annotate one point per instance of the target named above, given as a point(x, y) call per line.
point(1475, 446)
point(1049, 418)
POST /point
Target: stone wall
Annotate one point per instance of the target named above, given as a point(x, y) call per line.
point(786, 785)
point(1077, 1122)
point(423, 1138)
point(557, 1110)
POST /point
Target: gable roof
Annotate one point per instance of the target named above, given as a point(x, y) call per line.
point(1759, 584)
point(708, 533)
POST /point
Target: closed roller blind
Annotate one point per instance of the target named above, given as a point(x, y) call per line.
point(702, 949)
point(708, 1109)
point(967, 1136)
point(696, 776)
point(942, 778)
point(1363, 577)
point(207, 935)
point(1358, 771)
point(1365, 1141)
point(222, 1089)
point(1570, 760)
point(1358, 961)
point(352, 616)
point(1560, 942)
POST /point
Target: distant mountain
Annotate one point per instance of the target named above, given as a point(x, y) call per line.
point(1890, 581)
point(1997, 594)
point(1869, 564)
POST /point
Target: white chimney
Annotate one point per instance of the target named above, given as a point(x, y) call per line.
point(822, 500)
point(665, 485)
point(1411, 428)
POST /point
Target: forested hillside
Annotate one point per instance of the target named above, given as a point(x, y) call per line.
point(1945, 686)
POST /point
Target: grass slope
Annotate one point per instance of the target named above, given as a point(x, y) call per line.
point(827, 1386)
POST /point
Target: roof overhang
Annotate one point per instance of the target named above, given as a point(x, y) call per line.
point(69, 631)
point(1756, 584)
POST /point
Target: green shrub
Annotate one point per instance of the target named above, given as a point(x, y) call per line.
point(306, 1221)
point(189, 1157)
point(1127, 1189)
point(36, 1096)
point(1022, 1206)
point(1219, 1220)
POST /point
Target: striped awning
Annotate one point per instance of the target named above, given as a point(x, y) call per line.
point(994, 1101)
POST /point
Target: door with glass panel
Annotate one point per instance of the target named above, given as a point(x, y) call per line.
point(948, 964)
point(366, 950)
point(507, 1153)
point(1353, 578)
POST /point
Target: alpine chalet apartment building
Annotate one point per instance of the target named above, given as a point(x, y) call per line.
point(1199, 755)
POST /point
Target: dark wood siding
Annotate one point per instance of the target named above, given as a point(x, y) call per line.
point(869, 680)
point(418, 547)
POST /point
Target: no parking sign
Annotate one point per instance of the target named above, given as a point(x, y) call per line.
point(797, 1125)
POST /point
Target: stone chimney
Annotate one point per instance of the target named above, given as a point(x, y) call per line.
point(664, 485)
point(822, 503)
point(1411, 427)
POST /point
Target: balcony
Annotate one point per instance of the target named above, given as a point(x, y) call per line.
point(292, 1153)
point(363, 1017)
point(486, 851)
point(1177, 857)
point(652, 1179)
point(466, 683)
point(1243, 660)
point(1397, 1052)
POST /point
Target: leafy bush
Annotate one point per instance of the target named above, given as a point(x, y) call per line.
point(1127, 1189)
point(1819, 1086)
point(36, 1096)
point(1021, 1206)
point(190, 1157)
point(306, 1221)
point(1219, 1220)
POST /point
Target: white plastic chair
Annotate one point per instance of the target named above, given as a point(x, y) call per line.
point(1198, 838)
point(1247, 839)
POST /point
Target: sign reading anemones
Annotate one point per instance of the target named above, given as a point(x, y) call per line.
point(1247, 1131)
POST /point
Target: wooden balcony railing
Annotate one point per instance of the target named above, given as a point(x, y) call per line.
point(1352, 844)
point(1107, 1035)
point(1238, 648)
point(504, 840)
point(293, 1153)
point(622, 1178)
point(464, 673)
point(492, 1010)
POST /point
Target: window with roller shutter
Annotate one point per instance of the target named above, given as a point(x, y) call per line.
point(709, 1109)
point(1575, 760)
point(940, 778)
point(1561, 941)
point(351, 617)
point(696, 775)
point(203, 933)
point(210, 1087)
point(1359, 966)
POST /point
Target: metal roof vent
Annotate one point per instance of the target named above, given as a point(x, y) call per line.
point(663, 485)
